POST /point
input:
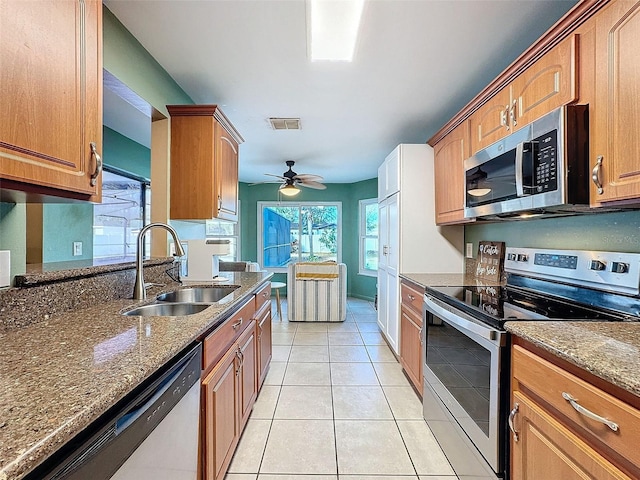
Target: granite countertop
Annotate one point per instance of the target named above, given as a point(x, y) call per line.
point(59, 375)
point(609, 350)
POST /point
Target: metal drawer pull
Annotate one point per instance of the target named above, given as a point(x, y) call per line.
point(512, 415)
point(595, 174)
point(587, 413)
point(411, 297)
point(237, 324)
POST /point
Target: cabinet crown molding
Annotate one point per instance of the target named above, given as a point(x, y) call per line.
point(206, 111)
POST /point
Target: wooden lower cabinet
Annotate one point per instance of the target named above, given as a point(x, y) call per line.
point(222, 429)
point(411, 346)
point(237, 356)
point(263, 341)
point(411, 297)
point(546, 449)
point(247, 373)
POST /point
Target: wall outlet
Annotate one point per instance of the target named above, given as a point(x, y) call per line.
point(469, 253)
point(77, 249)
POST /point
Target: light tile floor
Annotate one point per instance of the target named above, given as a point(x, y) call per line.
point(336, 406)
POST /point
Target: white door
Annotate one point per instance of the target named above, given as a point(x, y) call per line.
point(383, 234)
point(393, 308)
point(392, 229)
point(383, 281)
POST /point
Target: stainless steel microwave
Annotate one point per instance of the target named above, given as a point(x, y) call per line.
point(543, 168)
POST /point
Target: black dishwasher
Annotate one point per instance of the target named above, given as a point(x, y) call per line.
point(151, 434)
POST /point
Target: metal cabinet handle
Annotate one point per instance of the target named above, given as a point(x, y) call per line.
point(512, 114)
point(512, 416)
point(410, 297)
point(588, 413)
point(219, 203)
point(98, 170)
point(238, 353)
point(504, 117)
point(237, 324)
point(595, 174)
point(384, 250)
point(421, 340)
point(264, 294)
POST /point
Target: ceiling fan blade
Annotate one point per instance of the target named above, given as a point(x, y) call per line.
point(312, 184)
point(261, 183)
point(308, 177)
point(277, 176)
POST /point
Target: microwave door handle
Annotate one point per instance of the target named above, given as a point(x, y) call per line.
point(519, 179)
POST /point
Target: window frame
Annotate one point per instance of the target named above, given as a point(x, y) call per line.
point(362, 236)
point(260, 245)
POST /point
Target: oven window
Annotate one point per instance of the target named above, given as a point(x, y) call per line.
point(463, 367)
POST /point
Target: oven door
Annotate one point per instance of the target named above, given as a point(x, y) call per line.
point(464, 367)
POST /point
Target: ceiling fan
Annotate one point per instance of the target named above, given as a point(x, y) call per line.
point(291, 180)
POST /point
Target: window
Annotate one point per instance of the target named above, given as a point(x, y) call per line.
point(118, 219)
point(223, 229)
point(368, 251)
point(298, 231)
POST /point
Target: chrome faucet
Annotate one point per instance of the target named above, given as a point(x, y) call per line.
point(139, 290)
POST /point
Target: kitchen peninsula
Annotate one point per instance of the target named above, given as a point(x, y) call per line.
point(84, 359)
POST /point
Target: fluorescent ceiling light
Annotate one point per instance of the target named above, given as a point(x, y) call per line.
point(332, 29)
point(289, 190)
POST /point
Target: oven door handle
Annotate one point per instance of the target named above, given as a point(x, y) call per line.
point(459, 320)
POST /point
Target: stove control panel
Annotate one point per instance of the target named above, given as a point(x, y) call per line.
point(612, 271)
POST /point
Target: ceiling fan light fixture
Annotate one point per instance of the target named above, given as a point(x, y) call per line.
point(289, 190)
point(332, 29)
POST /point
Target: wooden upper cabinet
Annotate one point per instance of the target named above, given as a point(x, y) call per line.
point(547, 84)
point(449, 156)
point(51, 90)
point(204, 163)
point(490, 122)
point(615, 118)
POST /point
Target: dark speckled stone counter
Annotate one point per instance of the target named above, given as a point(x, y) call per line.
point(59, 374)
point(609, 350)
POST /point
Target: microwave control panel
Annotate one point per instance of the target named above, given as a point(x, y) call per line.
point(545, 161)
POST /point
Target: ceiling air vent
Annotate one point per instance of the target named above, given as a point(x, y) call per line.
point(285, 123)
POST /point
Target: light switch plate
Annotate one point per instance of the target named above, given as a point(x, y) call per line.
point(5, 268)
point(77, 249)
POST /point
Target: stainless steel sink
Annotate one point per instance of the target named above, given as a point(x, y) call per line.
point(166, 309)
point(198, 294)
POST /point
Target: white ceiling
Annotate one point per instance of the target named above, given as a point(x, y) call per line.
point(417, 63)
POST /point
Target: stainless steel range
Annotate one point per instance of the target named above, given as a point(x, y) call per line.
point(466, 354)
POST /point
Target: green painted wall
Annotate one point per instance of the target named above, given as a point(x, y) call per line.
point(360, 286)
point(63, 224)
point(125, 154)
point(618, 232)
point(128, 60)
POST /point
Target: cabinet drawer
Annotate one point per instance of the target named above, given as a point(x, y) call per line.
point(412, 298)
point(263, 296)
point(548, 382)
point(218, 342)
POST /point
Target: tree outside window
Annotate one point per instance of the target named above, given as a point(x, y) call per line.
point(299, 232)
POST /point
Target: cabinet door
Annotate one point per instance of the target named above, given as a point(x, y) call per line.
point(411, 346)
point(449, 156)
point(227, 175)
point(51, 86)
point(393, 235)
point(546, 449)
point(616, 117)
point(383, 234)
point(247, 374)
point(490, 122)
point(548, 84)
point(264, 342)
point(393, 313)
point(222, 428)
point(389, 175)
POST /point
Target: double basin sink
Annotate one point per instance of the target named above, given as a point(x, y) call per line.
point(186, 301)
